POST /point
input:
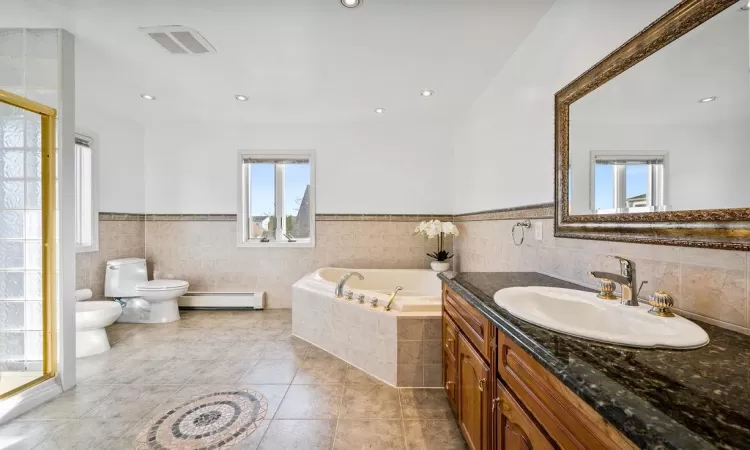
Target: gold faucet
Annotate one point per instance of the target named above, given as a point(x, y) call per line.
point(393, 297)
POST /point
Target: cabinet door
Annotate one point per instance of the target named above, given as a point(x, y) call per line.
point(450, 379)
point(515, 430)
point(473, 395)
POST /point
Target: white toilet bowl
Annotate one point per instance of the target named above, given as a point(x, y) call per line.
point(91, 319)
point(144, 301)
point(157, 302)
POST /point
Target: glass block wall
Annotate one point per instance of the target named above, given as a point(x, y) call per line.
point(29, 67)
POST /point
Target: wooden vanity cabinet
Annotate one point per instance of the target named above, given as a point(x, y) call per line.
point(516, 430)
point(473, 395)
point(504, 399)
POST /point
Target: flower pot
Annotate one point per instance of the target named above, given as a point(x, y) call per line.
point(440, 266)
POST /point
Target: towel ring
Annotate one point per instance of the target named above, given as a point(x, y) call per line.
point(523, 224)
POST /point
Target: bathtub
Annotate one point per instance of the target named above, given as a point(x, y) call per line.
point(401, 347)
point(421, 293)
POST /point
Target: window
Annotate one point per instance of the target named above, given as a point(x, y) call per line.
point(277, 200)
point(628, 183)
point(87, 211)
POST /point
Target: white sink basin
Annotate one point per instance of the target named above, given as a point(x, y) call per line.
point(582, 314)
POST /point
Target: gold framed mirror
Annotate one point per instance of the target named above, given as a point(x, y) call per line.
point(652, 144)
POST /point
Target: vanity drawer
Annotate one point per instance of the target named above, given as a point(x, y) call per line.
point(568, 420)
point(475, 326)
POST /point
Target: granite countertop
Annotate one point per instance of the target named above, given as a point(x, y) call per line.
point(678, 399)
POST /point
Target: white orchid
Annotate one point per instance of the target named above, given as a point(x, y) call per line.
point(437, 229)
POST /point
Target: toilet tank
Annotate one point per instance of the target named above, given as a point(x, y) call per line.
point(123, 275)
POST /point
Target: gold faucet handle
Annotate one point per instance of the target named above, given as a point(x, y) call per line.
point(661, 304)
point(607, 289)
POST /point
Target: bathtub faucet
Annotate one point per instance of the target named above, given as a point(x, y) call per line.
point(393, 297)
point(342, 282)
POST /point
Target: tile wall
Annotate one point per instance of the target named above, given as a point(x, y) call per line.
point(710, 285)
point(117, 239)
point(205, 253)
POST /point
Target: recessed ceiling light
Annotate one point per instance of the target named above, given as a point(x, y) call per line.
point(380, 110)
point(148, 97)
point(242, 98)
point(350, 3)
point(707, 99)
point(427, 93)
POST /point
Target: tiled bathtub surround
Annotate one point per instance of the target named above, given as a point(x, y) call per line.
point(404, 350)
point(712, 284)
point(205, 253)
point(120, 236)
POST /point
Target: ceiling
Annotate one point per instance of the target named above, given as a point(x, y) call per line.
point(299, 61)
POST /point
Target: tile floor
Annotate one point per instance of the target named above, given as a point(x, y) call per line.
point(315, 401)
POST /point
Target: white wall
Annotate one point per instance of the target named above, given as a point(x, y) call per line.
point(504, 151)
point(361, 168)
point(119, 144)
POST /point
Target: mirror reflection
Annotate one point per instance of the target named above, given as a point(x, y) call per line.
point(671, 133)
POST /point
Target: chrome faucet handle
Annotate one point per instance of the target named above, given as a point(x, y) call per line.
point(626, 265)
point(361, 298)
point(374, 302)
point(349, 295)
point(640, 287)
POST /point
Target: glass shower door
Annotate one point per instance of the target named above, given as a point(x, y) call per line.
point(27, 243)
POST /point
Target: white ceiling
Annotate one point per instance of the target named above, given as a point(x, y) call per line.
point(299, 61)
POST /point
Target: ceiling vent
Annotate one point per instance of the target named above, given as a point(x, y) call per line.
point(179, 40)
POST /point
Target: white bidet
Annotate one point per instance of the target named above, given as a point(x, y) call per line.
point(91, 319)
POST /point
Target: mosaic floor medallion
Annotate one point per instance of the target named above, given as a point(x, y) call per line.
point(206, 422)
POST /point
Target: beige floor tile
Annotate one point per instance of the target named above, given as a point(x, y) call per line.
point(321, 371)
point(175, 371)
point(84, 434)
point(252, 441)
point(358, 376)
point(202, 351)
point(132, 403)
point(24, 434)
point(316, 401)
point(220, 372)
point(299, 435)
point(433, 435)
point(285, 350)
point(274, 394)
point(122, 372)
point(245, 351)
point(158, 351)
point(271, 372)
point(72, 404)
point(425, 404)
point(362, 434)
point(368, 401)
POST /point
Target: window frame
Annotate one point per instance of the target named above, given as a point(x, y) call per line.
point(94, 247)
point(243, 207)
point(657, 180)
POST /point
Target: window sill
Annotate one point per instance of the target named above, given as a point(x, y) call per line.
point(87, 249)
point(275, 244)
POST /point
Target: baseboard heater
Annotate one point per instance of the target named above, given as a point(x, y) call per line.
point(222, 300)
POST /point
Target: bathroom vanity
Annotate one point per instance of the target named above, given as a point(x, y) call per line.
point(513, 385)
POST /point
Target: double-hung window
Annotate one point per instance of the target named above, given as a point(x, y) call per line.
point(277, 199)
point(628, 182)
point(87, 210)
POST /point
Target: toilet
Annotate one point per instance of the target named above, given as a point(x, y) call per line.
point(144, 301)
point(91, 319)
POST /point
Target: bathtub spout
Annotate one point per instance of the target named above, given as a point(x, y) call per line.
point(342, 282)
point(393, 297)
